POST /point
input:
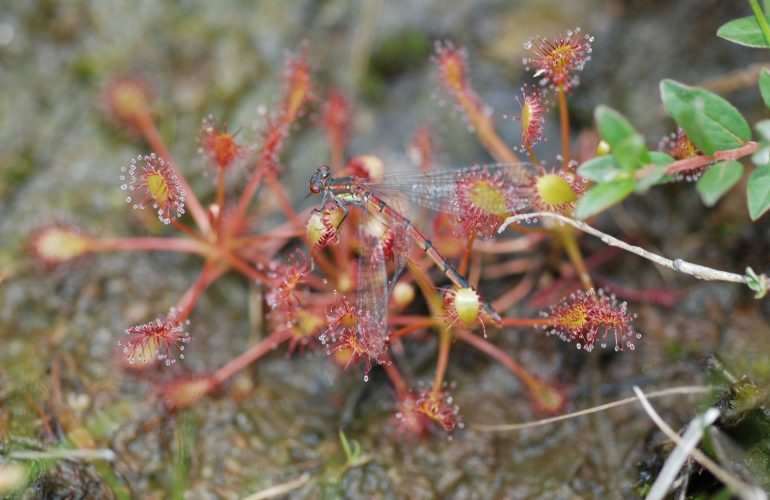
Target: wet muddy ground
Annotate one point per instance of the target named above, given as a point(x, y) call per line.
point(61, 381)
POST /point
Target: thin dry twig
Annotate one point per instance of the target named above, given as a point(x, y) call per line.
point(280, 489)
point(64, 454)
point(737, 486)
point(676, 459)
point(679, 265)
point(691, 389)
point(734, 80)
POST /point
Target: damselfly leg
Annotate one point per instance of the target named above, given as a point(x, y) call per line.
point(492, 190)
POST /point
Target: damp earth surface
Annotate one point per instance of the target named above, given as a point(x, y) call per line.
point(62, 384)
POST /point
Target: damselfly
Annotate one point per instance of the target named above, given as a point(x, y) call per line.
point(496, 193)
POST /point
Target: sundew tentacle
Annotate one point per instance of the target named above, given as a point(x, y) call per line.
point(150, 179)
point(557, 61)
point(163, 340)
point(588, 317)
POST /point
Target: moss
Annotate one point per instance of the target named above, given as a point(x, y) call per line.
point(400, 53)
point(15, 173)
point(373, 89)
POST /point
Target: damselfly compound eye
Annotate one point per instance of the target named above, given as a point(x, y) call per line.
point(317, 181)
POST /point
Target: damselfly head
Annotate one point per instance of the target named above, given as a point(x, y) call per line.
point(318, 180)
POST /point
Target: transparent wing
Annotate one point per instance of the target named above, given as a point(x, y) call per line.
point(372, 295)
point(496, 187)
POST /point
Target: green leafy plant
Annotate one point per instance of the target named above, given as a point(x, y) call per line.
point(718, 133)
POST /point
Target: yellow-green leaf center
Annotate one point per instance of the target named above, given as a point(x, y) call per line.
point(488, 198)
point(554, 190)
point(158, 188)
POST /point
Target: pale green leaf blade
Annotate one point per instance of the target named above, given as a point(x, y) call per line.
point(743, 31)
point(711, 123)
point(602, 196)
point(718, 180)
point(758, 192)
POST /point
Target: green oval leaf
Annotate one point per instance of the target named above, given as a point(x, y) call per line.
point(626, 143)
point(764, 86)
point(718, 180)
point(711, 123)
point(743, 31)
point(762, 155)
point(654, 175)
point(600, 169)
point(763, 130)
point(632, 153)
point(661, 158)
point(602, 196)
point(758, 192)
point(613, 127)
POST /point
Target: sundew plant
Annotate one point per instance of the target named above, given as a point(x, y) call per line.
point(398, 277)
